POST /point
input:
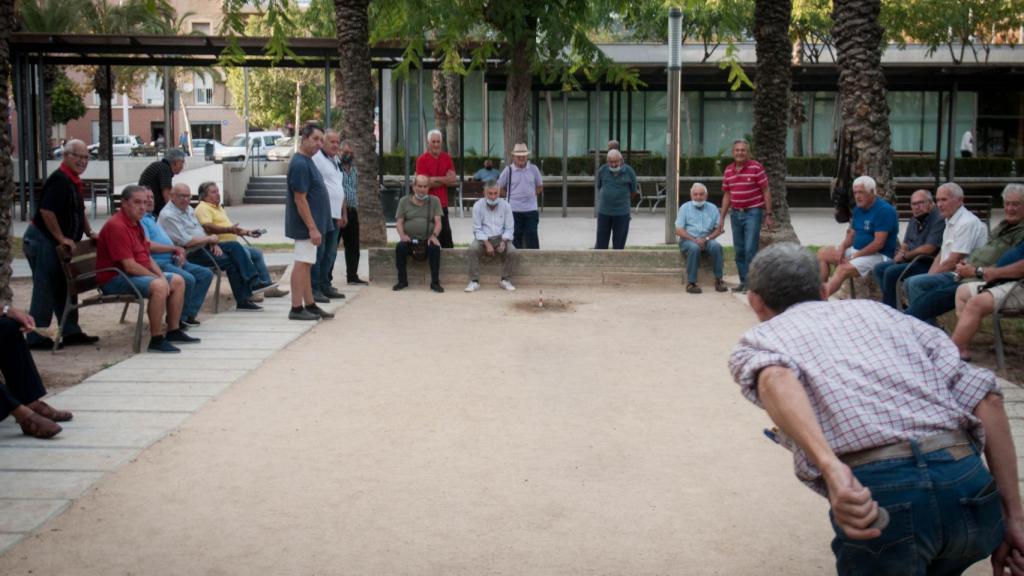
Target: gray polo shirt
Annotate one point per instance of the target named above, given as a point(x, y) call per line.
point(181, 225)
point(928, 230)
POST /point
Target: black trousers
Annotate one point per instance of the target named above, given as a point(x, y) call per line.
point(23, 384)
point(402, 251)
point(445, 238)
point(350, 237)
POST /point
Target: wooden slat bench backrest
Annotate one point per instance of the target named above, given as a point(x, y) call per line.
point(979, 204)
point(472, 190)
point(83, 261)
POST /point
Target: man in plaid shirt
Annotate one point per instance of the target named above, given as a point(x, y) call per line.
point(880, 413)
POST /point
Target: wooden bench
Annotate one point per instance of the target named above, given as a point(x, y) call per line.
point(997, 330)
point(80, 274)
point(469, 192)
point(979, 204)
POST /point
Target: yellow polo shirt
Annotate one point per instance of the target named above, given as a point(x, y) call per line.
point(207, 213)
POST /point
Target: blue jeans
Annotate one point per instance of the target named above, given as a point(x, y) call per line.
point(118, 285)
point(241, 288)
point(692, 251)
point(49, 287)
point(944, 515)
point(616, 227)
point(918, 285)
point(746, 237)
point(326, 256)
point(888, 272)
point(524, 234)
point(197, 283)
point(261, 265)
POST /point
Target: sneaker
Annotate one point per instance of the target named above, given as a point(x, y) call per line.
point(190, 321)
point(320, 312)
point(257, 298)
point(332, 292)
point(159, 344)
point(274, 292)
point(436, 287)
point(507, 284)
point(319, 298)
point(301, 314)
point(249, 306)
point(693, 288)
point(741, 289)
point(720, 285)
point(400, 286)
point(473, 286)
point(357, 281)
point(180, 337)
point(78, 339)
point(258, 286)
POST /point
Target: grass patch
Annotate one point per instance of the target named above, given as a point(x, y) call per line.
point(16, 250)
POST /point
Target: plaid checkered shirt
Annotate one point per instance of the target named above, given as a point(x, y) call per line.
point(874, 376)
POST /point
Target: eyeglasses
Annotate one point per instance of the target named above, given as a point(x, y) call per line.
point(79, 156)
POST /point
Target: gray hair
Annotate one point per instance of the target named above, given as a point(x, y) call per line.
point(330, 131)
point(740, 141)
point(614, 153)
point(698, 185)
point(927, 194)
point(128, 191)
point(492, 183)
point(783, 275)
point(432, 133)
point(204, 189)
point(953, 189)
point(174, 155)
point(67, 148)
point(613, 144)
point(1013, 188)
point(867, 182)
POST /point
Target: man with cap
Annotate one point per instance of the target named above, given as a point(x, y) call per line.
point(522, 183)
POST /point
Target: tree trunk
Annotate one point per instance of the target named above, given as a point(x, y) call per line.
point(453, 112)
point(51, 74)
point(105, 91)
point(6, 168)
point(862, 91)
point(771, 107)
point(356, 94)
point(797, 117)
point(517, 94)
point(440, 96)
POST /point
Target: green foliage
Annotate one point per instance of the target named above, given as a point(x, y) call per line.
point(985, 167)
point(913, 166)
point(272, 95)
point(965, 28)
point(66, 101)
point(811, 27)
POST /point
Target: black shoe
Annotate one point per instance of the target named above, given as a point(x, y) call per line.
point(314, 309)
point(436, 287)
point(44, 343)
point(181, 337)
point(258, 286)
point(78, 339)
point(302, 314)
point(190, 321)
point(320, 298)
point(720, 285)
point(400, 286)
point(332, 292)
point(159, 344)
point(741, 289)
point(357, 281)
point(693, 288)
point(248, 306)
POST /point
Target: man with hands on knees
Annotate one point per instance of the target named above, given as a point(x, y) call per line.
point(893, 439)
point(493, 231)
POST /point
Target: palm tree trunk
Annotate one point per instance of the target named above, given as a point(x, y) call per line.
point(6, 168)
point(517, 94)
point(862, 91)
point(357, 101)
point(771, 108)
point(440, 96)
point(453, 112)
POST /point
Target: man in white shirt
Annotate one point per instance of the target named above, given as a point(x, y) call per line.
point(493, 230)
point(967, 145)
point(326, 161)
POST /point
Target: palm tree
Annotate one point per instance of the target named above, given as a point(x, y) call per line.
point(862, 91)
point(6, 168)
point(771, 105)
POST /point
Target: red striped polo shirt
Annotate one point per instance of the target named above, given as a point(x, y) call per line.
point(745, 187)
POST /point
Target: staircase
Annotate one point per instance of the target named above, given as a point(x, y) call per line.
point(266, 190)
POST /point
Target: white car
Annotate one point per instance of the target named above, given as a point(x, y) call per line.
point(123, 145)
point(282, 150)
point(236, 149)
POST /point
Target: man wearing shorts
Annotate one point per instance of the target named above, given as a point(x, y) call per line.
point(976, 300)
point(307, 219)
point(871, 239)
point(122, 244)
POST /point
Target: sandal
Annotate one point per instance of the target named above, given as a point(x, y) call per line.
point(47, 411)
point(39, 427)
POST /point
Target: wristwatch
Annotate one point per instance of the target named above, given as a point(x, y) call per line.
point(7, 308)
point(979, 272)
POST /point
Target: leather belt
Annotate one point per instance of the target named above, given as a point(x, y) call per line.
point(749, 209)
point(957, 443)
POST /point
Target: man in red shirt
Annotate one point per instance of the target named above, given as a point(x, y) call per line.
point(122, 244)
point(745, 191)
point(437, 165)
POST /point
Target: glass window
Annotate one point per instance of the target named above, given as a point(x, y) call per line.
point(203, 28)
point(203, 88)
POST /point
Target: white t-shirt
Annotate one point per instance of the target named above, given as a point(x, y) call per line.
point(334, 180)
point(967, 142)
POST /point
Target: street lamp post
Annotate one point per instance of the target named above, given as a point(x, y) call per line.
point(675, 33)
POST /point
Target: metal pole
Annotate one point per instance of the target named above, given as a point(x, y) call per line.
point(327, 93)
point(938, 141)
point(674, 88)
point(110, 131)
point(44, 138)
point(423, 116)
point(168, 121)
point(245, 114)
point(380, 127)
point(565, 154)
point(405, 132)
point(950, 152)
point(28, 146)
point(19, 79)
point(597, 142)
point(462, 130)
point(487, 116)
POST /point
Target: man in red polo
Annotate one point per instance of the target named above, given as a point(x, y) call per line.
point(437, 165)
point(122, 244)
point(745, 192)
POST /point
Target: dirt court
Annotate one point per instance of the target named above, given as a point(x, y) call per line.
point(465, 434)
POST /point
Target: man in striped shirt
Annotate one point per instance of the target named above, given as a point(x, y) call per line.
point(745, 192)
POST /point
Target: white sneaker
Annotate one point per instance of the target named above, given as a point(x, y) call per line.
point(507, 285)
point(473, 286)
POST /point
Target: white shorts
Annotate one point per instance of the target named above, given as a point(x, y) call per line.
point(865, 264)
point(1002, 293)
point(305, 251)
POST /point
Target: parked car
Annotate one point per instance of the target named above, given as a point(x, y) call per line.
point(237, 149)
point(123, 145)
point(201, 145)
point(282, 149)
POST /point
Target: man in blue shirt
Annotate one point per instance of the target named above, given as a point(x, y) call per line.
point(697, 228)
point(870, 240)
point(487, 173)
point(171, 259)
point(616, 187)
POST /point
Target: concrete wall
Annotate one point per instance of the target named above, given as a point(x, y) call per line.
point(238, 174)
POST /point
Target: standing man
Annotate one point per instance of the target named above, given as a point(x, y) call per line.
point(487, 173)
point(437, 165)
point(418, 221)
point(697, 228)
point(616, 186)
point(307, 219)
point(59, 221)
point(745, 192)
point(183, 143)
point(880, 413)
point(522, 184)
point(922, 239)
point(350, 219)
point(493, 227)
point(967, 145)
point(326, 161)
point(158, 175)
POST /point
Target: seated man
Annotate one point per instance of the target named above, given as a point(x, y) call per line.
point(22, 394)
point(922, 239)
point(418, 221)
point(697, 228)
point(978, 299)
point(487, 173)
point(493, 228)
point(870, 240)
point(871, 402)
point(939, 296)
point(171, 258)
point(178, 219)
point(122, 244)
point(215, 220)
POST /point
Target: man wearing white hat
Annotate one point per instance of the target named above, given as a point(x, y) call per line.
point(522, 183)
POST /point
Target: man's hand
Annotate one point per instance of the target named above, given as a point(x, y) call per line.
point(1010, 554)
point(489, 247)
point(405, 238)
point(964, 270)
point(216, 251)
point(852, 506)
point(433, 240)
point(27, 323)
point(179, 255)
point(501, 246)
point(92, 234)
point(69, 243)
point(900, 256)
point(769, 222)
point(702, 242)
point(212, 239)
point(315, 237)
point(344, 219)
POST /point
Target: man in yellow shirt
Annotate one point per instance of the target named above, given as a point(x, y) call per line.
point(215, 220)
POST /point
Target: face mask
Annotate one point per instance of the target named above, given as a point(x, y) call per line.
point(699, 203)
point(346, 158)
point(492, 202)
point(422, 198)
point(615, 168)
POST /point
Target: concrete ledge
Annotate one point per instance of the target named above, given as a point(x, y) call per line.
point(552, 267)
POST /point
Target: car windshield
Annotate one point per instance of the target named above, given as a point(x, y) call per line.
point(284, 142)
point(237, 141)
